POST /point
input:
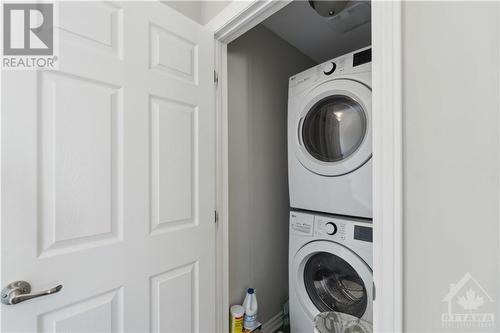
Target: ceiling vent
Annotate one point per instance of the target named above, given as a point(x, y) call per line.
point(343, 16)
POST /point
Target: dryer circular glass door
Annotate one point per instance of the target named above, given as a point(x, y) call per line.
point(334, 128)
point(330, 277)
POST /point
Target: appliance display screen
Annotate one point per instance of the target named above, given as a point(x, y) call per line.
point(363, 233)
point(362, 57)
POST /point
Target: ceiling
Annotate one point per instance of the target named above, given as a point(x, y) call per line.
point(199, 11)
point(303, 28)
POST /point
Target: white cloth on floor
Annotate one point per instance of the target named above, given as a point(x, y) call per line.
point(337, 322)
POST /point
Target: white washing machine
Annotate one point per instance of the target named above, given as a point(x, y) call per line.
point(330, 268)
point(330, 136)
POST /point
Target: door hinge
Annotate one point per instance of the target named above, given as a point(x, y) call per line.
point(374, 291)
point(216, 216)
point(216, 78)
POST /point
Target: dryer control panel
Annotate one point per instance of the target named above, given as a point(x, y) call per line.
point(352, 63)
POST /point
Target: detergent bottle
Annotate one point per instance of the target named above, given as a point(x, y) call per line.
point(250, 306)
point(237, 315)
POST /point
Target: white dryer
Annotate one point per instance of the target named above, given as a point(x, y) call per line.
point(330, 136)
point(330, 268)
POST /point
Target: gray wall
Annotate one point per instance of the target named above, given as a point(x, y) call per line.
point(451, 153)
point(259, 66)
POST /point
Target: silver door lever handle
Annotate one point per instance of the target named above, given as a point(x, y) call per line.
point(19, 291)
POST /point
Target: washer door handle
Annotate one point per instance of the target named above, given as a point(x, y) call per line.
point(299, 130)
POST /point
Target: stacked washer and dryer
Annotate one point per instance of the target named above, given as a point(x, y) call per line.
point(330, 183)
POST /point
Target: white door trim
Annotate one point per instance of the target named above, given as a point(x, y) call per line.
point(241, 16)
point(238, 18)
point(387, 165)
point(222, 188)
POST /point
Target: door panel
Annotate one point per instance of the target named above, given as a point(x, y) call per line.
point(78, 161)
point(108, 175)
point(181, 316)
point(181, 64)
point(173, 152)
point(100, 313)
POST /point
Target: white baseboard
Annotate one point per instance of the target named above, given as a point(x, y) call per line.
point(273, 324)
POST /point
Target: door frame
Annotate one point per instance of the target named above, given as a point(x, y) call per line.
point(239, 17)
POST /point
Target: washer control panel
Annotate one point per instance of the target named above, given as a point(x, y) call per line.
point(338, 229)
point(301, 223)
point(330, 228)
point(329, 68)
point(327, 226)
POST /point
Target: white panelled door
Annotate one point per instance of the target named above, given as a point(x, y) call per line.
point(107, 174)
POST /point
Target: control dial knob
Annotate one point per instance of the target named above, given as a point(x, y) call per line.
point(329, 68)
point(331, 228)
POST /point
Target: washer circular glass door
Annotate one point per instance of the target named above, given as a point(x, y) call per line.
point(334, 128)
point(333, 285)
point(330, 277)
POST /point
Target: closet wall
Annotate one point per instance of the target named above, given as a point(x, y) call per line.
point(259, 65)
